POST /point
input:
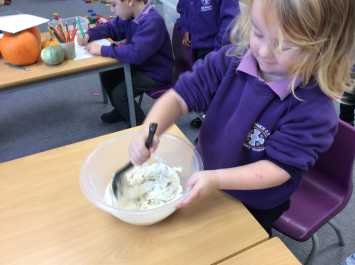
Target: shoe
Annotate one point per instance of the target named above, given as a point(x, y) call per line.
point(111, 117)
point(196, 123)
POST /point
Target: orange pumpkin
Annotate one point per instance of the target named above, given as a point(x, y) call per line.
point(0, 47)
point(35, 31)
point(22, 48)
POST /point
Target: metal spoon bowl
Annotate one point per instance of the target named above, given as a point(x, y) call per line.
point(117, 178)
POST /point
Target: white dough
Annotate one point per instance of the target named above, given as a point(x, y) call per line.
point(147, 186)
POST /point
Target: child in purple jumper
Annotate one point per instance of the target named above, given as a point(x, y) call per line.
point(269, 102)
point(205, 25)
point(147, 48)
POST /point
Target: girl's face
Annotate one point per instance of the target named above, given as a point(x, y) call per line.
point(264, 44)
point(122, 9)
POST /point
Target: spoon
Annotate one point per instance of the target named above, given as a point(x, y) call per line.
point(119, 173)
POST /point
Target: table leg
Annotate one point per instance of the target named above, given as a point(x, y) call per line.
point(129, 86)
point(104, 94)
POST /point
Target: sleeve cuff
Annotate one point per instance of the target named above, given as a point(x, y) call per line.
point(292, 171)
point(106, 51)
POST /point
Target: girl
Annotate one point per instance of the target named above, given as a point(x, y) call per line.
point(269, 101)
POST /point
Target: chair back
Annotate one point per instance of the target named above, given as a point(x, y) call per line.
point(324, 191)
point(336, 165)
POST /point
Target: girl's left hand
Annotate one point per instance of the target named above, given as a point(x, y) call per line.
point(201, 184)
point(94, 48)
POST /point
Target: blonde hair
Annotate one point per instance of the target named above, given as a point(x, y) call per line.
point(324, 30)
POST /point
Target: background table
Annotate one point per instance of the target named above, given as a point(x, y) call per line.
point(45, 219)
point(12, 76)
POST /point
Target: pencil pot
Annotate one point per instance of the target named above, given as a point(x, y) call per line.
point(69, 49)
point(64, 29)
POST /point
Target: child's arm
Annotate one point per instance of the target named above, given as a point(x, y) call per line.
point(228, 10)
point(145, 42)
point(113, 29)
point(192, 92)
point(176, 107)
point(262, 174)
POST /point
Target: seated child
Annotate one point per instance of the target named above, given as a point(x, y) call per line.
point(147, 48)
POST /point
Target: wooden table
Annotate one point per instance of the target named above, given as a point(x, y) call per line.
point(45, 219)
point(12, 76)
point(271, 252)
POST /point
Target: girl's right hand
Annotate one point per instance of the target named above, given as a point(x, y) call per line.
point(82, 41)
point(138, 153)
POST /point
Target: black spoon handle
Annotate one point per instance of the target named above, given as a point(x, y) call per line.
point(152, 129)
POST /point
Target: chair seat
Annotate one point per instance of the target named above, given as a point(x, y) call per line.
point(312, 206)
point(156, 93)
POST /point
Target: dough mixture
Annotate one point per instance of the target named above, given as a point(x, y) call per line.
point(147, 186)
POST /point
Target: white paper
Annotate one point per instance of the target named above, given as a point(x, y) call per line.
point(19, 22)
point(82, 53)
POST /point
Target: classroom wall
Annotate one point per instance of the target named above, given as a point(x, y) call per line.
point(167, 8)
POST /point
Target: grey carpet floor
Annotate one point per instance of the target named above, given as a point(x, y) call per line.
point(53, 113)
point(49, 114)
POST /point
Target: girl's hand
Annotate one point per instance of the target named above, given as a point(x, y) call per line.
point(138, 153)
point(186, 41)
point(94, 48)
point(82, 41)
point(201, 184)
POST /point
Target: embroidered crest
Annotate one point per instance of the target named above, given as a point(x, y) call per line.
point(206, 5)
point(256, 138)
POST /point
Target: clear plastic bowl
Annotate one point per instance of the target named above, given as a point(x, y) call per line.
point(96, 173)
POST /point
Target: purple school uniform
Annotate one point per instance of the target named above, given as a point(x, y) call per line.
point(250, 120)
point(207, 21)
point(148, 44)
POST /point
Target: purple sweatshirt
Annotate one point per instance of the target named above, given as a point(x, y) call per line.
point(147, 45)
point(207, 21)
point(250, 120)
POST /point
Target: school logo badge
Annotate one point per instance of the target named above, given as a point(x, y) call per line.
point(206, 5)
point(256, 138)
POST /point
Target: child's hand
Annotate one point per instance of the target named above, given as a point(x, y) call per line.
point(82, 41)
point(201, 184)
point(138, 153)
point(94, 48)
point(186, 41)
point(102, 20)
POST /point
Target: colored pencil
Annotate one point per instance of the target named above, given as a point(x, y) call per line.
point(80, 27)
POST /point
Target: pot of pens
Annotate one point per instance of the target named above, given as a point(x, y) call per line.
point(64, 31)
